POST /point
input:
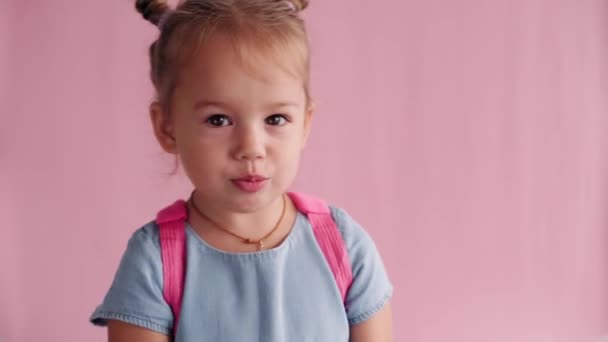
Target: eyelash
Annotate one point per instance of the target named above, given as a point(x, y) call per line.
point(225, 117)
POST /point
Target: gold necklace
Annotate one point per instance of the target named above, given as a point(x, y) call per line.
point(259, 243)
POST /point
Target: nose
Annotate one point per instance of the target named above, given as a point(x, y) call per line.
point(249, 143)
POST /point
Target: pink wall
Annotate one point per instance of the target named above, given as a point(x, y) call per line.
point(476, 154)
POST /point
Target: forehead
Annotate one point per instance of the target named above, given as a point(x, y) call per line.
point(225, 67)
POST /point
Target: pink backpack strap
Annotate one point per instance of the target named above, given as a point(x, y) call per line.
point(171, 221)
point(328, 237)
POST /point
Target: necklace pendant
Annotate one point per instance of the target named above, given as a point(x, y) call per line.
point(260, 245)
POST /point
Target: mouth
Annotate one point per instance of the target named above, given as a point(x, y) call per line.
point(250, 178)
point(250, 183)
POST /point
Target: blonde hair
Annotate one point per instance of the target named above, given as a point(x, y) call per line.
point(268, 28)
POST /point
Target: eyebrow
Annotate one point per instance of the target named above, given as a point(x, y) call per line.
point(205, 103)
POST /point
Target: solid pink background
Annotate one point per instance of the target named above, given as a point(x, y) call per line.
point(469, 137)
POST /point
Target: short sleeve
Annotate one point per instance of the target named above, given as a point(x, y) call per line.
point(136, 295)
point(371, 288)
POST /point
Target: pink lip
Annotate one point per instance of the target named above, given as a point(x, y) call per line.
point(250, 183)
point(251, 178)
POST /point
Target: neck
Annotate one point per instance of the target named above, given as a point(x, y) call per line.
point(254, 225)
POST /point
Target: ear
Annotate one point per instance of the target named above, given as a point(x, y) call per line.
point(308, 122)
point(163, 129)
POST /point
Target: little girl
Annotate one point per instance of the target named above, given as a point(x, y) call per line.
point(242, 259)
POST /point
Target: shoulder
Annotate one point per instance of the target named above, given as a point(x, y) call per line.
point(136, 293)
point(144, 242)
point(371, 287)
point(143, 253)
point(141, 263)
point(148, 234)
point(360, 246)
point(354, 235)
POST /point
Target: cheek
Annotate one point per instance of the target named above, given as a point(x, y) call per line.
point(287, 143)
point(288, 157)
point(289, 168)
point(203, 157)
point(293, 135)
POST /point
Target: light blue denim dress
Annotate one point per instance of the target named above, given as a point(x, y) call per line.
point(283, 294)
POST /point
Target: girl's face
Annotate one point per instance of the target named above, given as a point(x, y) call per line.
point(238, 132)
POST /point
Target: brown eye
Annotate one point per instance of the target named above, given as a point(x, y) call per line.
point(276, 120)
point(218, 120)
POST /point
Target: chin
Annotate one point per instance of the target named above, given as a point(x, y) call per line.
point(250, 203)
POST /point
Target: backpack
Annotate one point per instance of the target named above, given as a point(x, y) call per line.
point(172, 219)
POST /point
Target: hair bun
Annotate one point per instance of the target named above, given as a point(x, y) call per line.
point(300, 5)
point(152, 10)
